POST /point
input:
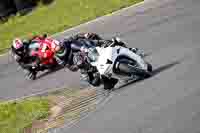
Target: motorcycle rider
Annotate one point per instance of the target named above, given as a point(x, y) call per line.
point(22, 54)
point(20, 48)
point(103, 42)
point(96, 41)
point(70, 54)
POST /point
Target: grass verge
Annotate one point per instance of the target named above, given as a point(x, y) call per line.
point(15, 116)
point(60, 15)
point(50, 111)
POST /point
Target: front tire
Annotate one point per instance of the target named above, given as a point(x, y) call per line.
point(109, 83)
point(147, 74)
point(129, 67)
point(32, 76)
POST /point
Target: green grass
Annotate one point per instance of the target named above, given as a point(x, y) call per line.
point(60, 15)
point(15, 116)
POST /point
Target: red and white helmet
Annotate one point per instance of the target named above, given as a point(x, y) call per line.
point(17, 44)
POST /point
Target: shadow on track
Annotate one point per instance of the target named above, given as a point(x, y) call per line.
point(165, 67)
point(155, 72)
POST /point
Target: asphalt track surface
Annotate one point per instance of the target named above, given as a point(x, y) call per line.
point(168, 102)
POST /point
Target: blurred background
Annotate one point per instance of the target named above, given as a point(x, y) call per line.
point(8, 7)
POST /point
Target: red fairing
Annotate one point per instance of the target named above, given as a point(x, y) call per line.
point(47, 50)
point(47, 57)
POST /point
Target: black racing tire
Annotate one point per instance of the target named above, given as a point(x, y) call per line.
point(109, 83)
point(128, 67)
point(123, 67)
point(107, 86)
point(32, 76)
point(147, 74)
point(54, 67)
point(143, 73)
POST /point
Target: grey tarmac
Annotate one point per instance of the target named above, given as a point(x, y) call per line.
point(168, 102)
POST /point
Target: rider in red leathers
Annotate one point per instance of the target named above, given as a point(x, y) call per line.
point(37, 52)
point(43, 55)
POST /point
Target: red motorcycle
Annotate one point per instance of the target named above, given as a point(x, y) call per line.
point(47, 48)
point(45, 52)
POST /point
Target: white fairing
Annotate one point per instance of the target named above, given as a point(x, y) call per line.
point(111, 53)
point(105, 53)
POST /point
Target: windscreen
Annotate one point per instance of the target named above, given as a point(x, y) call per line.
point(93, 54)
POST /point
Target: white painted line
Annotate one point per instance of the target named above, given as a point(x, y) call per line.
point(99, 18)
point(36, 94)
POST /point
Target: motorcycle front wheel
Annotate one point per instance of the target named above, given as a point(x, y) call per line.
point(109, 83)
point(32, 75)
point(127, 66)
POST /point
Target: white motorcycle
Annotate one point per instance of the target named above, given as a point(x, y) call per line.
point(116, 63)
